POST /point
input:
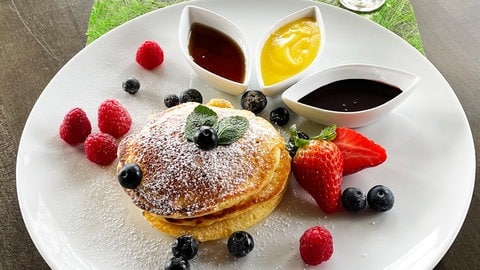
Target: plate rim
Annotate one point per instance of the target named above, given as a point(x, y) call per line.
point(20, 154)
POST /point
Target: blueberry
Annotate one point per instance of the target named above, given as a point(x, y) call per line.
point(185, 246)
point(380, 198)
point(353, 200)
point(131, 86)
point(240, 243)
point(205, 138)
point(177, 263)
point(191, 95)
point(254, 101)
point(130, 176)
point(291, 148)
point(280, 116)
point(171, 100)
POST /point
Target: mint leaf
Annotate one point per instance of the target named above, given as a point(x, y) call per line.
point(230, 129)
point(201, 116)
point(297, 141)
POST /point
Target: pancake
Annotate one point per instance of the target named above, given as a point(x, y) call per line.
point(207, 192)
point(220, 229)
point(274, 187)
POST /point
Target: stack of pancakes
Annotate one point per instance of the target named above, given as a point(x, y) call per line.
point(208, 194)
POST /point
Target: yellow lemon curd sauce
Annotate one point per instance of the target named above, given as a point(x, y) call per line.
point(289, 50)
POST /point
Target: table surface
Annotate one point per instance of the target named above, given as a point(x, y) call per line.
point(38, 37)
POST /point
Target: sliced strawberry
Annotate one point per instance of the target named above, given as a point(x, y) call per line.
point(317, 167)
point(359, 152)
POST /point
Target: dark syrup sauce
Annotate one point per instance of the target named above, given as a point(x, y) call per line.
point(216, 52)
point(351, 95)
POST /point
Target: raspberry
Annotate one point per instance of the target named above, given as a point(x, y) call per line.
point(149, 55)
point(316, 245)
point(75, 127)
point(101, 148)
point(113, 118)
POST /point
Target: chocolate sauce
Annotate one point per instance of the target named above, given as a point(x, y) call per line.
point(216, 52)
point(351, 95)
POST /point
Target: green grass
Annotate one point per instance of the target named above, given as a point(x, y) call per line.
point(398, 16)
point(108, 14)
point(395, 15)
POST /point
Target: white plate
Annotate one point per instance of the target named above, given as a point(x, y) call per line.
point(79, 217)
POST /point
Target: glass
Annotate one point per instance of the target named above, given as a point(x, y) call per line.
point(362, 5)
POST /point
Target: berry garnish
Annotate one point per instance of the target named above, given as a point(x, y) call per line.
point(149, 55)
point(113, 118)
point(131, 85)
point(205, 138)
point(204, 128)
point(280, 116)
point(254, 101)
point(240, 243)
point(185, 246)
point(317, 166)
point(75, 127)
point(177, 263)
point(316, 245)
point(359, 152)
point(380, 198)
point(353, 200)
point(291, 148)
point(171, 100)
point(130, 176)
point(191, 95)
point(101, 148)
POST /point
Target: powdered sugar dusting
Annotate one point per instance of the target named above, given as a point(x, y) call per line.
point(180, 178)
point(98, 222)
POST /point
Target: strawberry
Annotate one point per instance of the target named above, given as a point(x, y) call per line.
point(75, 127)
point(149, 55)
point(113, 118)
point(359, 152)
point(316, 245)
point(317, 167)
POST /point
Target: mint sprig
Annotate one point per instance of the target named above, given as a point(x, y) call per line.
point(229, 129)
point(201, 116)
point(328, 134)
